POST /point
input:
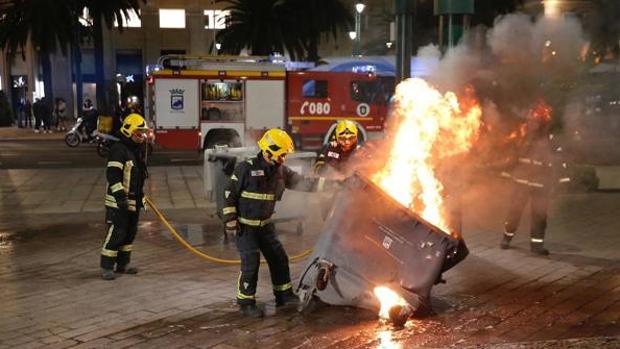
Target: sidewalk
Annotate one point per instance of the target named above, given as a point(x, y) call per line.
point(53, 297)
point(27, 134)
point(82, 190)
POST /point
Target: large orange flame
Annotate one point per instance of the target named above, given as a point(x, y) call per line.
point(427, 128)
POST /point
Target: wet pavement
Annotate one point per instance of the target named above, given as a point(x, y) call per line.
point(53, 298)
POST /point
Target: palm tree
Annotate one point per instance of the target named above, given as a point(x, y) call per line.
point(294, 26)
point(53, 25)
point(47, 23)
point(106, 12)
point(321, 17)
point(263, 27)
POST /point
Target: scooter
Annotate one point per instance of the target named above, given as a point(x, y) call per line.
point(77, 134)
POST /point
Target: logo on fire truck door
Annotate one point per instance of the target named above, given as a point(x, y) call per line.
point(176, 99)
point(363, 109)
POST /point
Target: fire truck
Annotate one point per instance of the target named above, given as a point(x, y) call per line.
point(201, 102)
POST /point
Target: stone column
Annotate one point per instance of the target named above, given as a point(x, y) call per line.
point(198, 40)
point(152, 33)
point(63, 78)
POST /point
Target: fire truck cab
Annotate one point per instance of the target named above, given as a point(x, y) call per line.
point(318, 99)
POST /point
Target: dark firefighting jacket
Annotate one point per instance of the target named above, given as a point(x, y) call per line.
point(125, 174)
point(332, 155)
point(255, 186)
point(538, 164)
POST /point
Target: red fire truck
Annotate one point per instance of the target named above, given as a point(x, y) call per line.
point(200, 102)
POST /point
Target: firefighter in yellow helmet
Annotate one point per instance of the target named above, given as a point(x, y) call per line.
point(335, 154)
point(125, 173)
point(250, 197)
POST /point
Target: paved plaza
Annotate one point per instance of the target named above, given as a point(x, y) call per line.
point(51, 227)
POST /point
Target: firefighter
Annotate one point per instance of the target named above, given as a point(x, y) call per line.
point(250, 197)
point(533, 176)
point(126, 172)
point(335, 154)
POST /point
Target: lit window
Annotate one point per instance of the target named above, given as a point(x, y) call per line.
point(131, 21)
point(171, 18)
point(216, 19)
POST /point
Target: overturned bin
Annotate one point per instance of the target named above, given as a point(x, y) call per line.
point(372, 247)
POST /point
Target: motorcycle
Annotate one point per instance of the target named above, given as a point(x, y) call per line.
point(77, 134)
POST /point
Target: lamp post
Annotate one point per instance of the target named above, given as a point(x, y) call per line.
point(357, 41)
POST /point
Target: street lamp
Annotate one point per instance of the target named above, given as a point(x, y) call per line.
point(357, 41)
point(352, 35)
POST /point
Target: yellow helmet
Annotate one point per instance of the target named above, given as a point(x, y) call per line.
point(276, 142)
point(346, 129)
point(132, 123)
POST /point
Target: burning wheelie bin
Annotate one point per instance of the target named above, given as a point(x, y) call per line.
point(376, 254)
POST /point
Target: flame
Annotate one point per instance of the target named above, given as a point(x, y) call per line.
point(429, 128)
point(388, 299)
point(386, 341)
point(541, 111)
point(519, 132)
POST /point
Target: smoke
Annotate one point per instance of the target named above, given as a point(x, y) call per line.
point(518, 60)
point(511, 66)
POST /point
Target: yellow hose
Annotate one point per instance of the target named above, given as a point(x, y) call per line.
point(201, 254)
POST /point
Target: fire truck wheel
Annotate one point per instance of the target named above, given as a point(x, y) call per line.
point(221, 139)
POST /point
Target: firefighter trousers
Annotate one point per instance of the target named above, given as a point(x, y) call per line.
point(122, 226)
point(539, 199)
point(251, 240)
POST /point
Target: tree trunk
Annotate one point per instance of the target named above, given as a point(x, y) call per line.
point(102, 103)
point(46, 66)
point(313, 50)
point(77, 73)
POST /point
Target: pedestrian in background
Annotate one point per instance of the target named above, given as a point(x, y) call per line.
point(37, 111)
point(60, 114)
point(27, 113)
point(46, 115)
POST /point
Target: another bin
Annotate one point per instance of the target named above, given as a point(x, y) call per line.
point(370, 240)
point(220, 163)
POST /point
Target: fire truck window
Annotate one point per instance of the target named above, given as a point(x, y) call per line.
point(366, 92)
point(314, 89)
point(222, 91)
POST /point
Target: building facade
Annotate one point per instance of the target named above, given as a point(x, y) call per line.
point(164, 27)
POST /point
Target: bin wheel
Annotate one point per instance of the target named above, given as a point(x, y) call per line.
point(322, 279)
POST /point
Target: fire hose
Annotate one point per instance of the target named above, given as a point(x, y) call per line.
point(166, 223)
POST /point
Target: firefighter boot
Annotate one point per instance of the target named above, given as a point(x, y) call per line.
point(107, 274)
point(287, 299)
point(251, 310)
point(537, 248)
point(126, 269)
point(505, 244)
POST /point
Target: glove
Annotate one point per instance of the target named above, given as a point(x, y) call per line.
point(122, 204)
point(231, 227)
